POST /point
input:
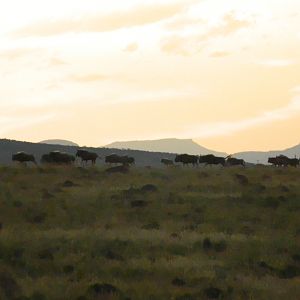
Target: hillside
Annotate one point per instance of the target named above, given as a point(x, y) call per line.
point(262, 157)
point(143, 158)
point(59, 142)
point(166, 145)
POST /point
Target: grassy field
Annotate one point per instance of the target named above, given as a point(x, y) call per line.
point(177, 233)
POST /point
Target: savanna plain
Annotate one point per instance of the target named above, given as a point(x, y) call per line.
point(171, 233)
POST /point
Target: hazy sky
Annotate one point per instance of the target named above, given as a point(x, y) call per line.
point(226, 73)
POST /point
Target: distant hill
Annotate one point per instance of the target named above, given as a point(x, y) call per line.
point(262, 157)
point(166, 145)
point(142, 158)
point(59, 142)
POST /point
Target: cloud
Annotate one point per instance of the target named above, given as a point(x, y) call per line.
point(228, 128)
point(138, 16)
point(181, 23)
point(9, 123)
point(276, 63)
point(230, 24)
point(18, 53)
point(189, 45)
point(131, 47)
point(56, 62)
point(179, 45)
point(219, 54)
point(88, 78)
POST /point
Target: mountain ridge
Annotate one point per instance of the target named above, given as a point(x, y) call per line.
point(262, 156)
point(59, 142)
point(171, 145)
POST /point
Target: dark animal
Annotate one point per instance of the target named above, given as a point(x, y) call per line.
point(116, 159)
point(167, 162)
point(126, 160)
point(293, 162)
point(23, 157)
point(231, 161)
point(273, 161)
point(57, 157)
point(210, 159)
point(87, 156)
point(283, 161)
point(187, 159)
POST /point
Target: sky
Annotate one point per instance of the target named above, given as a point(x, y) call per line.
point(224, 73)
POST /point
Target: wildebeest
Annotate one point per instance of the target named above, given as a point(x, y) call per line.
point(231, 161)
point(273, 161)
point(293, 162)
point(210, 159)
point(57, 157)
point(87, 156)
point(167, 162)
point(283, 161)
point(187, 159)
point(117, 159)
point(23, 157)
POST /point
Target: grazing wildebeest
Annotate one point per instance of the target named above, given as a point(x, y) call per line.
point(231, 161)
point(127, 160)
point(167, 162)
point(283, 161)
point(187, 159)
point(117, 159)
point(273, 161)
point(23, 157)
point(57, 157)
point(293, 162)
point(87, 156)
point(210, 159)
point(279, 161)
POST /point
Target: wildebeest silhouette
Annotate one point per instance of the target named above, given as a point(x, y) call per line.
point(87, 156)
point(187, 159)
point(210, 159)
point(231, 161)
point(293, 162)
point(57, 157)
point(283, 161)
point(23, 157)
point(117, 159)
point(167, 162)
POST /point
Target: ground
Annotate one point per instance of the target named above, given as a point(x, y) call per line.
point(173, 233)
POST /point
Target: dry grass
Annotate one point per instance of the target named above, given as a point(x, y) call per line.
point(73, 233)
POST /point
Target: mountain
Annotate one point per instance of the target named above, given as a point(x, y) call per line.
point(59, 142)
point(143, 158)
point(166, 145)
point(262, 157)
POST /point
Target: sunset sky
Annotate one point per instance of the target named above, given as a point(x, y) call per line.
point(225, 73)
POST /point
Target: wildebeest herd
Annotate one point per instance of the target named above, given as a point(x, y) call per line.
point(62, 158)
point(209, 159)
point(283, 161)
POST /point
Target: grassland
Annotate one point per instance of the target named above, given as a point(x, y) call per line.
point(177, 233)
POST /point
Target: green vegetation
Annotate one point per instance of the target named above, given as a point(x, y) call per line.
point(177, 233)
